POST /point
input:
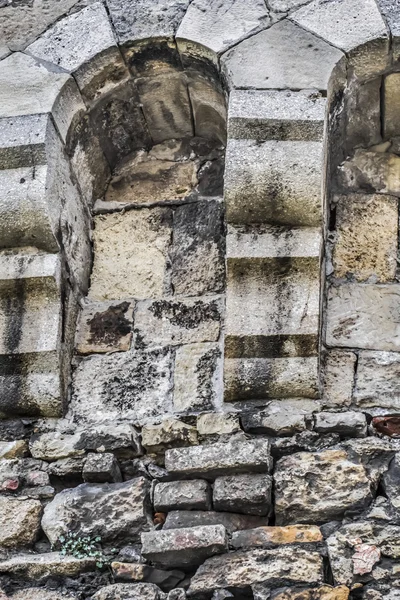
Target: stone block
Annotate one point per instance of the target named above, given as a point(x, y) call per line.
point(319, 487)
point(101, 468)
point(132, 386)
point(239, 569)
point(209, 107)
point(371, 171)
point(276, 115)
point(176, 519)
point(140, 572)
point(22, 141)
point(363, 316)
point(54, 445)
point(173, 321)
point(42, 566)
point(265, 537)
point(390, 11)
point(220, 459)
point(363, 108)
point(273, 182)
point(325, 592)
point(338, 372)
point(184, 547)
point(263, 241)
point(105, 327)
point(304, 63)
point(168, 434)
point(286, 5)
point(377, 384)
point(391, 107)
point(182, 495)
point(20, 521)
point(346, 424)
point(366, 237)
point(283, 418)
point(129, 591)
point(40, 594)
point(198, 249)
point(113, 511)
point(263, 378)
point(16, 449)
point(391, 482)
point(248, 494)
point(217, 424)
point(130, 254)
point(197, 377)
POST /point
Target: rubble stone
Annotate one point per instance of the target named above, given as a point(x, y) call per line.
point(325, 592)
point(248, 494)
point(371, 171)
point(346, 423)
point(140, 572)
point(377, 381)
point(217, 424)
point(19, 521)
point(41, 566)
point(182, 495)
point(169, 433)
point(55, 445)
point(338, 378)
point(129, 591)
point(265, 537)
point(282, 418)
point(101, 468)
point(178, 519)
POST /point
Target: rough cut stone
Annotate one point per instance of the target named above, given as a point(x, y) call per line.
point(105, 327)
point(248, 494)
point(371, 171)
point(140, 572)
point(182, 495)
point(197, 377)
point(168, 434)
point(304, 63)
point(265, 537)
point(366, 237)
point(19, 521)
point(378, 381)
point(319, 487)
point(208, 105)
point(350, 424)
point(220, 459)
point(15, 449)
point(391, 482)
point(285, 5)
point(112, 511)
point(130, 254)
point(338, 378)
point(194, 518)
point(22, 142)
point(326, 592)
point(126, 591)
point(363, 107)
point(283, 418)
point(363, 316)
point(101, 468)
point(391, 105)
point(40, 594)
point(184, 547)
point(217, 424)
point(240, 569)
point(38, 566)
point(55, 445)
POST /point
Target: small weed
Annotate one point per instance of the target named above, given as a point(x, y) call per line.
point(83, 546)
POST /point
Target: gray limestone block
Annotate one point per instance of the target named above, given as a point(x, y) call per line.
point(346, 424)
point(286, 5)
point(248, 494)
point(282, 418)
point(23, 141)
point(40, 566)
point(170, 433)
point(338, 371)
point(54, 446)
point(176, 519)
point(391, 482)
point(184, 547)
point(300, 60)
point(101, 468)
point(105, 327)
point(263, 241)
point(182, 495)
point(276, 115)
point(117, 512)
point(273, 182)
point(235, 456)
point(377, 386)
point(363, 113)
point(370, 171)
point(198, 248)
point(129, 591)
point(20, 521)
point(217, 424)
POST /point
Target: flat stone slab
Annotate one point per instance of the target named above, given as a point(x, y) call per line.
point(266, 537)
point(250, 494)
point(338, 371)
point(176, 519)
point(38, 566)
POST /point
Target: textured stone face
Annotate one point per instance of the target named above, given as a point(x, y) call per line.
point(20, 521)
point(168, 434)
point(250, 494)
point(338, 378)
point(194, 518)
point(41, 566)
point(371, 171)
point(182, 495)
point(264, 537)
point(124, 591)
point(377, 380)
point(105, 327)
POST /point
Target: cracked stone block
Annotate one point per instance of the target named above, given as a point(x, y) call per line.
point(168, 434)
point(135, 387)
point(198, 249)
point(283, 418)
point(114, 511)
point(184, 547)
point(182, 495)
point(346, 424)
point(391, 105)
point(197, 377)
point(42, 566)
point(220, 459)
point(264, 537)
point(84, 44)
point(101, 468)
point(248, 494)
point(363, 108)
point(366, 237)
point(239, 569)
point(176, 519)
point(304, 63)
point(377, 384)
point(23, 141)
point(363, 316)
point(173, 321)
point(130, 254)
point(273, 182)
point(105, 327)
point(281, 115)
point(208, 104)
point(19, 521)
point(319, 487)
point(371, 172)
point(338, 370)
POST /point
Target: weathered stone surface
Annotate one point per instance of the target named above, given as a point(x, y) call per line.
point(372, 452)
point(182, 495)
point(101, 468)
point(168, 434)
point(197, 377)
point(194, 518)
point(130, 254)
point(15, 449)
point(390, 11)
point(22, 141)
point(265, 537)
point(184, 547)
point(391, 482)
point(283, 418)
point(40, 566)
point(371, 171)
point(248, 494)
point(105, 327)
point(363, 316)
point(273, 182)
point(350, 424)
point(366, 237)
point(338, 378)
point(285, 5)
point(240, 569)
point(67, 467)
point(391, 105)
point(197, 251)
point(363, 107)
point(264, 241)
point(387, 425)
point(208, 105)
point(220, 459)
point(112, 511)
point(319, 487)
point(378, 381)
point(217, 424)
point(40, 594)
point(304, 63)
point(132, 386)
point(140, 572)
point(326, 592)
point(173, 321)
point(126, 591)
point(19, 521)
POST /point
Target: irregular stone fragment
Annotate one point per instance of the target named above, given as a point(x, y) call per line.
point(209, 114)
point(265, 537)
point(122, 439)
point(319, 487)
point(326, 592)
point(364, 558)
point(129, 591)
point(372, 452)
point(169, 433)
point(248, 494)
point(372, 172)
point(387, 425)
point(391, 482)
point(220, 459)
point(239, 569)
point(55, 445)
point(217, 424)
point(194, 518)
point(15, 449)
point(139, 572)
point(184, 547)
point(112, 511)
point(197, 377)
point(67, 467)
point(105, 327)
point(377, 381)
point(39, 594)
point(182, 495)
point(19, 521)
point(101, 468)
point(350, 424)
point(41, 566)
point(338, 378)
point(283, 418)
